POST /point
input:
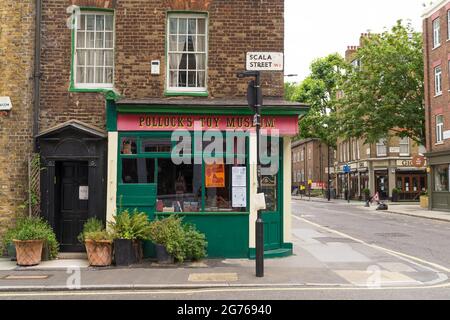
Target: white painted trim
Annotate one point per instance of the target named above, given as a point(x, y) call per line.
point(287, 190)
point(430, 10)
point(111, 204)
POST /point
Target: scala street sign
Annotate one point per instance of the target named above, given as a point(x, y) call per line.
point(5, 104)
point(265, 61)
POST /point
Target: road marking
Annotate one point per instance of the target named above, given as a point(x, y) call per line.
point(397, 254)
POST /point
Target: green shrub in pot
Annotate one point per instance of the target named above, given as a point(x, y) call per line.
point(169, 233)
point(195, 243)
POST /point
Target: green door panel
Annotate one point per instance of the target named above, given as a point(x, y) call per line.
point(137, 196)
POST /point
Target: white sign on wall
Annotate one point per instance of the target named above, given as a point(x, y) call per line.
point(5, 104)
point(447, 135)
point(394, 149)
point(84, 193)
point(265, 61)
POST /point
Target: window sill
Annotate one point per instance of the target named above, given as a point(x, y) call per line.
point(436, 47)
point(186, 94)
point(439, 143)
point(98, 90)
point(438, 95)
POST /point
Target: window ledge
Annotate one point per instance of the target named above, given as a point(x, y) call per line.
point(99, 90)
point(438, 95)
point(186, 93)
point(439, 143)
point(437, 47)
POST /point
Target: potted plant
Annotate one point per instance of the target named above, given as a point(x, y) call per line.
point(169, 239)
point(29, 236)
point(366, 193)
point(195, 243)
point(424, 200)
point(129, 230)
point(98, 242)
point(395, 194)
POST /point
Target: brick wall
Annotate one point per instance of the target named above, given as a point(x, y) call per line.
point(235, 27)
point(16, 71)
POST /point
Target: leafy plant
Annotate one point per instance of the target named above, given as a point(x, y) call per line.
point(134, 226)
point(170, 233)
point(396, 191)
point(93, 225)
point(33, 228)
point(195, 243)
point(102, 235)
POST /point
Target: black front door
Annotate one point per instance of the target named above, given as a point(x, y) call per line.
point(72, 198)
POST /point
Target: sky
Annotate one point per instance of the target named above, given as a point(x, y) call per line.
point(317, 28)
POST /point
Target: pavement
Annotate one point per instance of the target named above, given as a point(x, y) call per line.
point(324, 259)
point(404, 208)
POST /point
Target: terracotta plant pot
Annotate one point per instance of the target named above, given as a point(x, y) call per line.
point(99, 253)
point(28, 253)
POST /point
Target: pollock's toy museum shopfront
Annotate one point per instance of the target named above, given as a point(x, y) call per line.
point(215, 196)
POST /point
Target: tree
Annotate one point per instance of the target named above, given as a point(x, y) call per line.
point(289, 89)
point(384, 96)
point(320, 90)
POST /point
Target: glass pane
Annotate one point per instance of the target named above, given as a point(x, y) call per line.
point(90, 75)
point(201, 45)
point(80, 75)
point(99, 40)
point(90, 54)
point(183, 62)
point(100, 23)
point(182, 75)
point(174, 60)
point(109, 58)
point(201, 26)
point(182, 43)
point(82, 24)
point(138, 171)
point(173, 43)
point(192, 26)
point(109, 42)
point(81, 42)
point(109, 73)
point(182, 26)
point(179, 187)
point(99, 58)
point(191, 43)
point(99, 75)
point(128, 146)
point(90, 22)
point(109, 22)
point(81, 57)
point(192, 64)
point(156, 145)
point(173, 25)
point(173, 79)
point(201, 79)
point(192, 79)
point(90, 37)
point(201, 61)
point(441, 176)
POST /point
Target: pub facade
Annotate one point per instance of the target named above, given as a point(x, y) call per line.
point(129, 83)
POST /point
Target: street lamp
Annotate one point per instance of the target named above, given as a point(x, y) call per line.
point(255, 102)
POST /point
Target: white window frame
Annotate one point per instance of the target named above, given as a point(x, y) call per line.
point(99, 86)
point(439, 129)
point(436, 32)
point(358, 152)
point(404, 142)
point(448, 24)
point(170, 89)
point(302, 155)
point(382, 143)
point(438, 80)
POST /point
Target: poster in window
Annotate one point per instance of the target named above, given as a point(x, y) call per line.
point(239, 176)
point(239, 197)
point(215, 176)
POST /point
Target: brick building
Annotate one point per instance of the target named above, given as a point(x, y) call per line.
point(16, 83)
point(118, 78)
point(392, 163)
point(436, 26)
point(310, 164)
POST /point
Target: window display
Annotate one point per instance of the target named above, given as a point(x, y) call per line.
point(441, 178)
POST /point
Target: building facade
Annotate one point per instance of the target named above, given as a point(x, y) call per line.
point(120, 79)
point(310, 164)
point(436, 26)
point(390, 164)
point(16, 105)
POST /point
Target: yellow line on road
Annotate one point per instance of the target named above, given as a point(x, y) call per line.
point(374, 246)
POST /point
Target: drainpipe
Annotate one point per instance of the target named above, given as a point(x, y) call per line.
point(429, 139)
point(37, 71)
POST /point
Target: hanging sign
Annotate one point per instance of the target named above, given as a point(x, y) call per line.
point(215, 176)
point(265, 61)
point(5, 104)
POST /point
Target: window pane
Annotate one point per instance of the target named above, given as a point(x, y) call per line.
point(174, 60)
point(90, 54)
point(109, 74)
point(100, 23)
point(81, 57)
point(201, 79)
point(192, 79)
point(173, 43)
point(128, 146)
point(99, 75)
point(173, 79)
point(81, 42)
point(201, 26)
point(201, 46)
point(191, 43)
point(109, 22)
point(201, 61)
point(182, 75)
point(90, 75)
point(90, 22)
point(82, 24)
point(109, 58)
point(99, 40)
point(138, 171)
point(182, 40)
point(441, 178)
point(109, 42)
point(179, 187)
point(157, 145)
point(182, 26)
point(80, 75)
point(99, 58)
point(173, 25)
point(192, 26)
point(90, 39)
point(192, 64)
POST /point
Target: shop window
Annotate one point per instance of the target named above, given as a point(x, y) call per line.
point(269, 185)
point(441, 178)
point(93, 60)
point(138, 171)
point(156, 145)
point(187, 53)
point(128, 146)
point(179, 187)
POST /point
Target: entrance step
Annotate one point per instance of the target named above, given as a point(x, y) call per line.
point(272, 254)
point(72, 256)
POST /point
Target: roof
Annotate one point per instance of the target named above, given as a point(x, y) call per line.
point(76, 124)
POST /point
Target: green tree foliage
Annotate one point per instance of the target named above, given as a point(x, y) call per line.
point(319, 90)
point(384, 96)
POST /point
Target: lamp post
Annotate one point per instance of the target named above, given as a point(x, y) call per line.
point(255, 102)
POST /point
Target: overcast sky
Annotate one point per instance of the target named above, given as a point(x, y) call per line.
point(317, 28)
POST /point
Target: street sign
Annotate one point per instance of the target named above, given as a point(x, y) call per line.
point(265, 61)
point(347, 169)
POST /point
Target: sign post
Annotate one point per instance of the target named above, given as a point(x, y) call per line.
point(347, 170)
